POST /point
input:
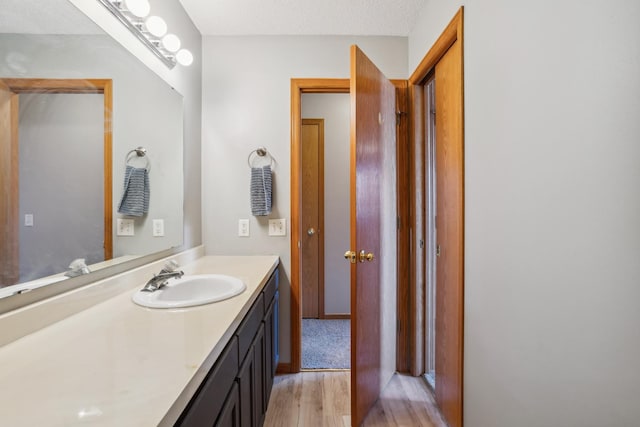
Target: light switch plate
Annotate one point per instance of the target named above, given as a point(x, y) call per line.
point(158, 227)
point(28, 220)
point(278, 227)
point(243, 227)
point(124, 227)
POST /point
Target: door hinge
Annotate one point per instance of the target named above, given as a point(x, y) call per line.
point(399, 115)
point(398, 223)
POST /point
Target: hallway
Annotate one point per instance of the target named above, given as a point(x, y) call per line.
point(322, 399)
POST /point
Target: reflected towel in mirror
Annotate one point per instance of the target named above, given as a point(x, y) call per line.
point(261, 190)
point(135, 195)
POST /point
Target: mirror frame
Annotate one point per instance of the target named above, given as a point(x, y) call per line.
point(95, 12)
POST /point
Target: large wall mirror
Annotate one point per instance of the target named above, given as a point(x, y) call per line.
point(74, 107)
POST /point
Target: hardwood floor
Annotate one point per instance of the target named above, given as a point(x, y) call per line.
point(322, 399)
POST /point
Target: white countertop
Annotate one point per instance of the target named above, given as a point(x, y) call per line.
point(119, 364)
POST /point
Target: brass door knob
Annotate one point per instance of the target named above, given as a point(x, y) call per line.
point(364, 256)
point(350, 256)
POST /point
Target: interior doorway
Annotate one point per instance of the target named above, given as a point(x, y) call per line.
point(299, 230)
point(324, 192)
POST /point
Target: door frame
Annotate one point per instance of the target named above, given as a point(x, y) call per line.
point(403, 103)
point(72, 86)
point(452, 33)
point(298, 87)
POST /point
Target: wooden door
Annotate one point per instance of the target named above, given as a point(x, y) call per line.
point(373, 231)
point(10, 271)
point(312, 218)
point(449, 234)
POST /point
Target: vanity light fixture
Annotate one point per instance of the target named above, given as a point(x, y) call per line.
point(156, 26)
point(171, 42)
point(138, 8)
point(152, 31)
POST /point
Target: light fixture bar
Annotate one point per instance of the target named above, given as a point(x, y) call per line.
point(169, 61)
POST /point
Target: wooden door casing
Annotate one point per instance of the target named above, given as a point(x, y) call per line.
point(445, 61)
point(10, 272)
point(373, 229)
point(312, 218)
point(450, 236)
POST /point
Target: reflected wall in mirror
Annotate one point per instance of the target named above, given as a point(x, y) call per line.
point(44, 115)
point(53, 40)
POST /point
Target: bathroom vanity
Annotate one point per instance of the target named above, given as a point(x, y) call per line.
point(117, 363)
point(236, 391)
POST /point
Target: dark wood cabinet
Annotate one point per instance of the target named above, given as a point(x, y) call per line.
point(230, 413)
point(236, 391)
point(206, 405)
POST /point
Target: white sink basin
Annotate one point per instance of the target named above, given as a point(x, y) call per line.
point(197, 289)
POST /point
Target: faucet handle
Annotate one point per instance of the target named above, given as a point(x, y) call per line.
point(170, 265)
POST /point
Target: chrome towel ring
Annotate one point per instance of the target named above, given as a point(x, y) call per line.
point(260, 152)
point(140, 152)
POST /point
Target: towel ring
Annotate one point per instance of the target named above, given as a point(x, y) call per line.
point(260, 152)
point(140, 152)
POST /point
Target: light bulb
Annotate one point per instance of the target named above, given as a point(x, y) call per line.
point(156, 26)
point(171, 42)
point(184, 57)
point(139, 8)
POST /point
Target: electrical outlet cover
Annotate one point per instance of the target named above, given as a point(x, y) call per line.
point(158, 227)
point(243, 227)
point(125, 227)
point(278, 227)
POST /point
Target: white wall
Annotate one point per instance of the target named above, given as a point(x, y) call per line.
point(186, 80)
point(335, 109)
point(60, 150)
point(246, 103)
point(552, 249)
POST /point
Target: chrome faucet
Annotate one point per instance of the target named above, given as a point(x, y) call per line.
point(161, 279)
point(77, 267)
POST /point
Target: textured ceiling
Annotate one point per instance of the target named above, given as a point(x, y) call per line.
point(304, 17)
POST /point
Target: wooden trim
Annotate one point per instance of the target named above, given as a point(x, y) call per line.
point(403, 159)
point(57, 85)
point(321, 227)
point(108, 168)
point(298, 87)
point(337, 316)
point(9, 223)
point(284, 368)
point(453, 33)
point(83, 86)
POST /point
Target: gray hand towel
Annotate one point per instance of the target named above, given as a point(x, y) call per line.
point(135, 196)
point(261, 190)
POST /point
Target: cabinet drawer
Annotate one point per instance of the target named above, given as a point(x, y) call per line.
point(249, 327)
point(207, 404)
point(270, 289)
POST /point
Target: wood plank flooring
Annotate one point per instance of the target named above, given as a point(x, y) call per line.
point(322, 399)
